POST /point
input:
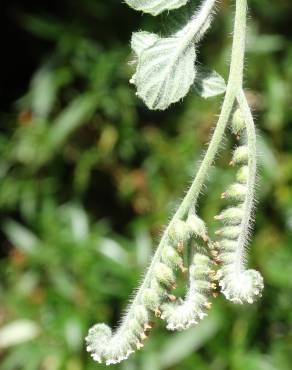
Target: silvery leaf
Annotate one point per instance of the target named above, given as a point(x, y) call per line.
point(155, 7)
point(209, 83)
point(165, 72)
point(142, 40)
point(176, 20)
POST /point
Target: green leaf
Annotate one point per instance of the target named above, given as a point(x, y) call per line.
point(43, 92)
point(17, 332)
point(72, 117)
point(165, 72)
point(182, 344)
point(155, 7)
point(21, 237)
point(209, 83)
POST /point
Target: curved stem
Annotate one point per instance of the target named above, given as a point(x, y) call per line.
point(233, 87)
point(198, 21)
point(238, 48)
point(252, 165)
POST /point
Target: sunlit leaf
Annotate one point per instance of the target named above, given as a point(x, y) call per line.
point(165, 72)
point(155, 7)
point(142, 40)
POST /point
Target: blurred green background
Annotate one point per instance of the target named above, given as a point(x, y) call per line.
point(89, 177)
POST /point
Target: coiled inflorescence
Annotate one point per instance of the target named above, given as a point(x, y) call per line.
point(182, 314)
point(165, 72)
point(237, 283)
point(114, 348)
point(155, 296)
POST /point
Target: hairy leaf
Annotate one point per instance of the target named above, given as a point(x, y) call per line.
point(165, 72)
point(209, 83)
point(142, 40)
point(176, 20)
point(155, 7)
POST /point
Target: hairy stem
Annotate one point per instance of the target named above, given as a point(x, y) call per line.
point(198, 22)
point(248, 204)
point(233, 91)
point(233, 87)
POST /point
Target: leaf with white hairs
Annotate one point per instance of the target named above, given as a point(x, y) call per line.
point(209, 83)
point(142, 40)
point(155, 7)
point(165, 72)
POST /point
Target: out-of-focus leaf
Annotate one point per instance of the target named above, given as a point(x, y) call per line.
point(267, 161)
point(21, 237)
point(143, 248)
point(78, 221)
point(73, 333)
point(182, 344)
point(48, 28)
point(14, 358)
point(43, 92)
point(151, 361)
point(260, 43)
point(18, 331)
point(276, 95)
point(63, 283)
point(113, 250)
point(76, 114)
point(277, 269)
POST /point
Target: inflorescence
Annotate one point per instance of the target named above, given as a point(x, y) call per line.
point(165, 71)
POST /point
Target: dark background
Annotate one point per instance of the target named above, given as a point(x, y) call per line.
point(89, 177)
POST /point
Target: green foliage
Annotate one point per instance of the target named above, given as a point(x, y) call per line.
point(87, 180)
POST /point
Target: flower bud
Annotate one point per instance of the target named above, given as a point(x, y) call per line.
point(237, 122)
point(200, 267)
point(236, 192)
point(158, 288)
point(179, 233)
point(197, 226)
point(171, 257)
point(151, 299)
point(231, 216)
point(242, 174)
point(164, 274)
point(228, 245)
point(200, 259)
point(229, 232)
point(240, 155)
point(227, 257)
point(184, 313)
